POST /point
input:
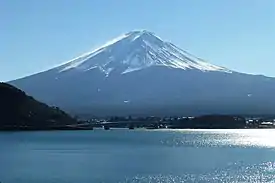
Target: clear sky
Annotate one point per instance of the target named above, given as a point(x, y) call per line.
point(36, 35)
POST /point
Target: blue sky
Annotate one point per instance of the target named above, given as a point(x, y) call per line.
point(36, 35)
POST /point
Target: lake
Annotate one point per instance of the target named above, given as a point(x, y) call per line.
point(138, 156)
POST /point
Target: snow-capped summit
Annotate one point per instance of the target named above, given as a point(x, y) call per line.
point(137, 50)
point(138, 73)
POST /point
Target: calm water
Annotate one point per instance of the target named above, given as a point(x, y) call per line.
point(123, 156)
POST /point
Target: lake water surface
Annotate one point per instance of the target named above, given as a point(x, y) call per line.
point(138, 156)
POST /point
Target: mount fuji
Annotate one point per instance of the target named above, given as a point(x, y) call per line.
point(138, 73)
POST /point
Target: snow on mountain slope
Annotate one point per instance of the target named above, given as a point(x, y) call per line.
point(140, 74)
point(134, 51)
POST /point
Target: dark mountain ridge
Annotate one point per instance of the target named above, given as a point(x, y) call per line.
point(19, 111)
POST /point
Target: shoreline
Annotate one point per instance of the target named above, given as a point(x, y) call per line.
point(98, 128)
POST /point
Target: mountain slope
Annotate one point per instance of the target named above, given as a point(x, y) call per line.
point(140, 74)
point(134, 51)
point(19, 111)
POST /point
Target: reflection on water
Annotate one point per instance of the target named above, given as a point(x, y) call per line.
point(123, 156)
point(235, 173)
point(223, 137)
